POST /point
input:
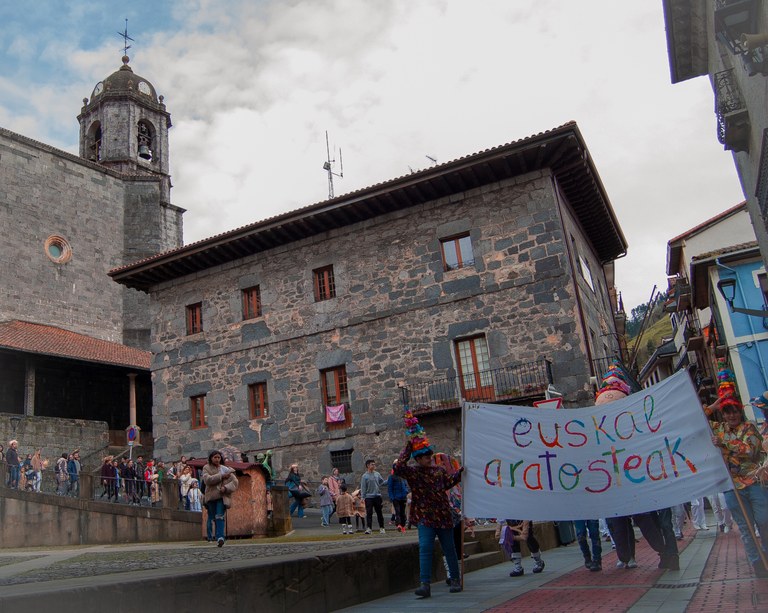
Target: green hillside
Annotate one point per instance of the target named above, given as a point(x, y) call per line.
point(654, 333)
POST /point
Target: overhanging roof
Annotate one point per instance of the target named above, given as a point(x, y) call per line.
point(701, 264)
point(40, 339)
point(686, 27)
point(675, 245)
point(561, 149)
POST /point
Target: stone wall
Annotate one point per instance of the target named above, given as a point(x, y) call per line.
point(396, 316)
point(42, 193)
point(54, 436)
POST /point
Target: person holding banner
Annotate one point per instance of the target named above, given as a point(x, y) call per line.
point(740, 445)
point(614, 386)
point(430, 509)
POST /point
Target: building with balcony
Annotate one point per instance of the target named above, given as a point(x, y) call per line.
point(696, 260)
point(488, 278)
point(727, 40)
point(743, 339)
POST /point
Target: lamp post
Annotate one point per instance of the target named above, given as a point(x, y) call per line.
point(727, 288)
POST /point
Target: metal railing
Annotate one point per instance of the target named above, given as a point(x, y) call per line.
point(512, 383)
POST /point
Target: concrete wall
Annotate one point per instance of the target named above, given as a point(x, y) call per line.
point(396, 317)
point(29, 519)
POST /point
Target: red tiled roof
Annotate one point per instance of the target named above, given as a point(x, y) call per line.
point(49, 340)
point(708, 222)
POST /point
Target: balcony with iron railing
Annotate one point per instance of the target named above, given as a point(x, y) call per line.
point(511, 384)
point(733, 124)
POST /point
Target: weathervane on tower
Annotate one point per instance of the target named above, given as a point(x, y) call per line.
point(126, 38)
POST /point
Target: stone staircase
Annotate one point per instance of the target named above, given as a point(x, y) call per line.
point(483, 551)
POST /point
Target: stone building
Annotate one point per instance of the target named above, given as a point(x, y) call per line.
point(489, 277)
point(69, 336)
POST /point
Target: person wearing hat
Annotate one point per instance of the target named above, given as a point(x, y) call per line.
point(656, 526)
point(740, 444)
point(430, 508)
point(194, 497)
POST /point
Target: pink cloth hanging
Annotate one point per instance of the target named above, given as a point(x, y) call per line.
point(335, 414)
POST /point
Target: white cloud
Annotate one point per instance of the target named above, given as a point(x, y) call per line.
point(253, 86)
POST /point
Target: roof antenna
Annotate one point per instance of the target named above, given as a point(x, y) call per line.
point(328, 166)
point(431, 159)
point(126, 38)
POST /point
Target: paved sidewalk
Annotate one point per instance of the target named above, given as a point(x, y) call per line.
point(714, 576)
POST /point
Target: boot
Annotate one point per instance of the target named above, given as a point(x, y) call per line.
point(538, 565)
point(455, 586)
point(423, 591)
point(588, 563)
point(517, 569)
point(597, 566)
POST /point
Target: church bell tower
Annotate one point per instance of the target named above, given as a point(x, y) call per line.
point(124, 126)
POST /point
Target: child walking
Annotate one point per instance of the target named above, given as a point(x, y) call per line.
point(359, 511)
point(326, 502)
point(345, 508)
point(511, 533)
point(194, 497)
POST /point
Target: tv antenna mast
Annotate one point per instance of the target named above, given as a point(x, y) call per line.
point(328, 166)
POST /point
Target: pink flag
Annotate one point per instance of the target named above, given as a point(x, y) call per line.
point(335, 414)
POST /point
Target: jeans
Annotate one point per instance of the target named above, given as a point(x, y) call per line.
point(372, 504)
point(427, 547)
point(296, 504)
point(399, 512)
point(14, 474)
point(755, 500)
point(327, 509)
point(216, 513)
point(591, 526)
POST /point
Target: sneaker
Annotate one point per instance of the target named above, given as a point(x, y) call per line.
point(220, 542)
point(423, 591)
point(588, 563)
point(596, 566)
point(344, 530)
point(517, 571)
point(620, 564)
point(631, 563)
point(382, 531)
point(538, 566)
point(367, 530)
point(455, 586)
point(726, 529)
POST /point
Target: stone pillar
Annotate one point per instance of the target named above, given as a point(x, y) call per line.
point(132, 399)
point(170, 490)
point(29, 388)
point(86, 485)
point(281, 517)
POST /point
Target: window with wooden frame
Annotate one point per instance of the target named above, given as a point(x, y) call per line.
point(258, 404)
point(457, 252)
point(197, 406)
point(474, 369)
point(251, 302)
point(325, 286)
point(194, 318)
point(333, 382)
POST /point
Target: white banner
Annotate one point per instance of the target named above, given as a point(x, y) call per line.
point(648, 451)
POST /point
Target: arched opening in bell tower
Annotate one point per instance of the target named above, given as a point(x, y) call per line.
point(93, 149)
point(146, 138)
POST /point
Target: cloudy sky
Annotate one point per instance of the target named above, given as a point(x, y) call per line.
point(253, 85)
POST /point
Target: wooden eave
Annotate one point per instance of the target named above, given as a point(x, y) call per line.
point(561, 149)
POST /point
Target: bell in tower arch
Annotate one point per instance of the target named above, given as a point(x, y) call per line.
point(145, 140)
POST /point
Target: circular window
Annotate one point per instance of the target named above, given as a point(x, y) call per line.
point(58, 249)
